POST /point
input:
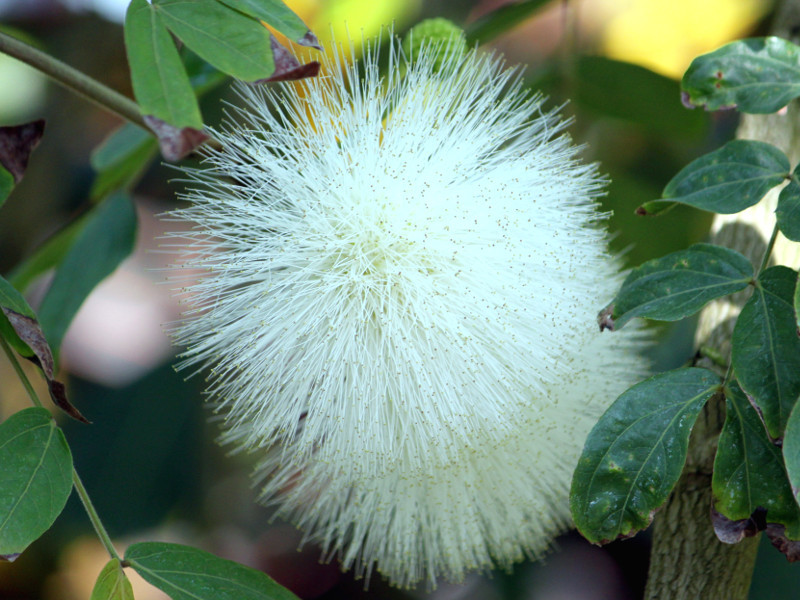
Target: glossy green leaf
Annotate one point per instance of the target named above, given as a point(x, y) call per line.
point(112, 583)
point(681, 283)
point(121, 158)
point(766, 348)
point(186, 573)
point(636, 95)
point(227, 39)
point(6, 184)
point(759, 75)
point(749, 472)
point(277, 15)
point(160, 82)
point(635, 454)
point(727, 180)
point(35, 478)
point(105, 241)
point(788, 211)
point(12, 300)
point(500, 20)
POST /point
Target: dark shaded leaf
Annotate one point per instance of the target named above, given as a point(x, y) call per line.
point(788, 211)
point(766, 348)
point(104, 242)
point(680, 284)
point(16, 144)
point(276, 14)
point(6, 184)
point(287, 67)
point(727, 180)
point(48, 255)
point(14, 304)
point(759, 75)
point(186, 573)
point(121, 158)
point(791, 450)
point(637, 95)
point(160, 82)
point(227, 39)
point(112, 584)
point(175, 143)
point(749, 477)
point(35, 478)
point(501, 20)
point(635, 454)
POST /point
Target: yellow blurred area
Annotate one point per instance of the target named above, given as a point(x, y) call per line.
point(340, 19)
point(665, 35)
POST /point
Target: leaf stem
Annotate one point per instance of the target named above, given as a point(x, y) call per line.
point(26, 383)
point(768, 251)
point(105, 539)
point(99, 529)
point(73, 79)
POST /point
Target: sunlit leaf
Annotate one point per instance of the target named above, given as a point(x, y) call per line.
point(229, 40)
point(186, 573)
point(766, 348)
point(759, 75)
point(160, 82)
point(35, 478)
point(112, 584)
point(680, 284)
point(276, 14)
point(635, 454)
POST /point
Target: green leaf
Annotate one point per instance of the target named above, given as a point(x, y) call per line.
point(727, 180)
point(681, 283)
point(634, 455)
point(112, 584)
point(766, 349)
point(637, 95)
point(788, 211)
point(104, 242)
point(225, 38)
point(277, 15)
point(749, 473)
point(186, 573)
point(759, 75)
point(160, 82)
point(501, 20)
point(121, 158)
point(6, 184)
point(35, 478)
point(12, 300)
point(48, 255)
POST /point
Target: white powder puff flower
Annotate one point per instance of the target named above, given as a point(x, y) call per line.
point(401, 275)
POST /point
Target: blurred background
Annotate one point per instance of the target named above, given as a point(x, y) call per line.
point(150, 461)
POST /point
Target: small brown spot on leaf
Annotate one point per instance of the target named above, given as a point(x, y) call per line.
point(718, 74)
point(175, 143)
point(640, 210)
point(604, 318)
point(777, 535)
point(16, 144)
point(733, 532)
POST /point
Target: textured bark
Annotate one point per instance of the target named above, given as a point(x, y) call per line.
point(687, 560)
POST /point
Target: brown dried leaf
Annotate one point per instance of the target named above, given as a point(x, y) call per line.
point(604, 318)
point(16, 144)
point(733, 532)
point(31, 333)
point(310, 40)
point(287, 67)
point(175, 143)
point(790, 548)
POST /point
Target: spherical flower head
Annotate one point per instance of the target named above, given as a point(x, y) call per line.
point(440, 37)
point(401, 274)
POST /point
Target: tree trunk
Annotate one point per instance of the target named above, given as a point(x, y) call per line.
point(687, 560)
